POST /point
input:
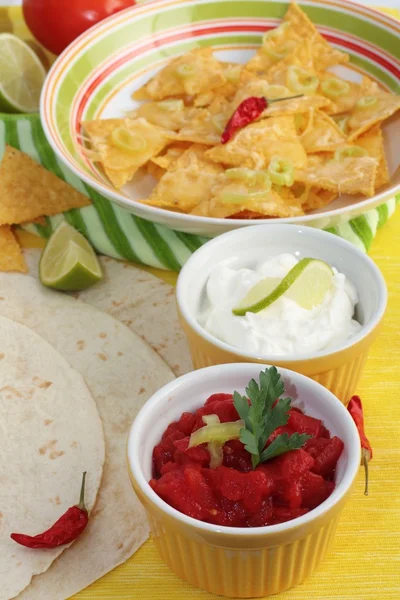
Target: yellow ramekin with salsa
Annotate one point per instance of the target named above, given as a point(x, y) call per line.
point(329, 342)
point(244, 560)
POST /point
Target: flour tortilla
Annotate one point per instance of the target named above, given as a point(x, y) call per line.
point(121, 371)
point(142, 302)
point(50, 432)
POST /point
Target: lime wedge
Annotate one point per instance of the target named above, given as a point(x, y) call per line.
point(68, 261)
point(306, 283)
point(21, 76)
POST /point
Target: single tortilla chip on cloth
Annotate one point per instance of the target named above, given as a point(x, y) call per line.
point(346, 176)
point(255, 145)
point(28, 190)
point(11, 257)
point(120, 165)
point(193, 73)
point(187, 183)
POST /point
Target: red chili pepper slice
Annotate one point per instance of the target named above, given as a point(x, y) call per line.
point(65, 530)
point(356, 410)
point(247, 112)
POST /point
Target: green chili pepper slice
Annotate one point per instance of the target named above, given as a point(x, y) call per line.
point(302, 81)
point(186, 70)
point(281, 171)
point(275, 33)
point(125, 140)
point(333, 88)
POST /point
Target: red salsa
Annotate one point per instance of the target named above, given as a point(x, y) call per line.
point(234, 494)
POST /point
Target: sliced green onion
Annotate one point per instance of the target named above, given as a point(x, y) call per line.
point(250, 177)
point(221, 433)
point(128, 141)
point(350, 152)
point(275, 33)
point(216, 451)
point(186, 70)
point(366, 101)
point(232, 73)
point(281, 171)
point(300, 80)
point(335, 87)
point(210, 419)
point(283, 51)
point(171, 105)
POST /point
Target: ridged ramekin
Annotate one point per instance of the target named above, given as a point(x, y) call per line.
point(240, 562)
point(338, 369)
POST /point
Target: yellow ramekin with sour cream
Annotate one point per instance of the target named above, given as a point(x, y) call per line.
point(338, 367)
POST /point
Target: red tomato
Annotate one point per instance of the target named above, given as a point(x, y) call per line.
point(55, 24)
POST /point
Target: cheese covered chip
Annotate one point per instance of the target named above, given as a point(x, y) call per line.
point(233, 74)
point(120, 162)
point(188, 182)
point(372, 142)
point(255, 145)
point(343, 94)
point(168, 114)
point(347, 176)
point(283, 72)
point(373, 106)
point(206, 124)
point(322, 134)
point(170, 156)
point(324, 55)
point(193, 73)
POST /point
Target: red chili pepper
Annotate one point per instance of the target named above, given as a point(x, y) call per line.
point(248, 111)
point(356, 410)
point(65, 530)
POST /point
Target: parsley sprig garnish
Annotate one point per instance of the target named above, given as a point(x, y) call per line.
point(265, 412)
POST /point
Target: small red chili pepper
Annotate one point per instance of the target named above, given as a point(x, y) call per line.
point(356, 410)
point(248, 111)
point(65, 530)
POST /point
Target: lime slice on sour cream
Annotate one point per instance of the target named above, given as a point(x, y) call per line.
point(307, 283)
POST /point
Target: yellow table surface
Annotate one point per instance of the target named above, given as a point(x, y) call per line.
point(365, 560)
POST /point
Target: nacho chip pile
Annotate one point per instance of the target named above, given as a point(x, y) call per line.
point(28, 192)
point(298, 156)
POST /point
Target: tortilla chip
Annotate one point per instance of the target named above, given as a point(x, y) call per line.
point(119, 165)
point(255, 145)
point(260, 87)
point(361, 119)
point(170, 156)
point(207, 74)
point(168, 114)
point(28, 190)
point(188, 182)
point(312, 198)
point(232, 73)
point(372, 141)
point(300, 57)
point(154, 170)
point(270, 205)
point(322, 134)
point(343, 102)
point(324, 54)
point(207, 124)
point(296, 28)
point(353, 175)
point(11, 257)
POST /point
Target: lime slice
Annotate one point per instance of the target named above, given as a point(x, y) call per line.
point(21, 76)
point(306, 283)
point(68, 261)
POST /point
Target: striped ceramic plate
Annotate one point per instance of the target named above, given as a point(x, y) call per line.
point(95, 77)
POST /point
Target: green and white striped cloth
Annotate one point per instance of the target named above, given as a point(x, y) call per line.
point(115, 232)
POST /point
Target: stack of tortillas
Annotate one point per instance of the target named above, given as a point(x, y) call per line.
point(72, 379)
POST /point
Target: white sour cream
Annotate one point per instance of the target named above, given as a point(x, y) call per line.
point(284, 328)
